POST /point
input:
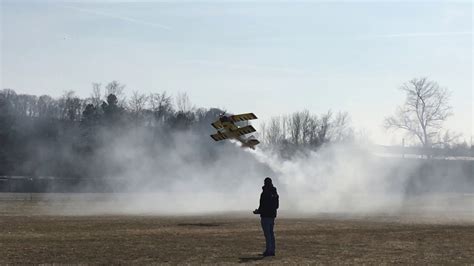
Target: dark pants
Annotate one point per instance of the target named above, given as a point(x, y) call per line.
point(267, 227)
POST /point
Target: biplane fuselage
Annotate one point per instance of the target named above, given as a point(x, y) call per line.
point(227, 129)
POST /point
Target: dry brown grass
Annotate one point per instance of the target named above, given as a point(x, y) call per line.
point(29, 237)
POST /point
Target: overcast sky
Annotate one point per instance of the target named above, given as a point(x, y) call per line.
point(264, 57)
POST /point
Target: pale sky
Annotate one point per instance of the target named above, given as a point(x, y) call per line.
point(265, 57)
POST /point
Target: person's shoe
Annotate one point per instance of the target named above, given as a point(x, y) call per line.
point(268, 254)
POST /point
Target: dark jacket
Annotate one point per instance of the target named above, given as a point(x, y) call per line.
point(269, 202)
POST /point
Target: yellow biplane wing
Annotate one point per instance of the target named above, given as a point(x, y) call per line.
point(245, 130)
point(233, 134)
point(219, 136)
point(242, 117)
point(217, 124)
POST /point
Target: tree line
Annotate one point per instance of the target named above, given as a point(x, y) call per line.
point(71, 136)
point(303, 131)
point(66, 136)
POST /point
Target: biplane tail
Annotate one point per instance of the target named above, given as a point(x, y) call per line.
point(251, 143)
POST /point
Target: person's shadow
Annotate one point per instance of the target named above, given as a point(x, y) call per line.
point(250, 259)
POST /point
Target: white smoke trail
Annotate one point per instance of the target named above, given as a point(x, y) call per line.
point(337, 178)
point(182, 177)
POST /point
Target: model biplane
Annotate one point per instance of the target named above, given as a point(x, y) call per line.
point(227, 129)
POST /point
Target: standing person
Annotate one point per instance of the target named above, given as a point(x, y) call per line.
point(269, 203)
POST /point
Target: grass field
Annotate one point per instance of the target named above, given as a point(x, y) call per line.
point(31, 235)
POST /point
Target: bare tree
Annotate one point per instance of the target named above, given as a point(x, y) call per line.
point(340, 129)
point(46, 106)
point(138, 102)
point(295, 127)
point(305, 130)
point(323, 127)
point(425, 109)
point(160, 105)
point(96, 95)
point(137, 106)
point(72, 106)
point(274, 134)
point(116, 89)
point(183, 103)
point(306, 126)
